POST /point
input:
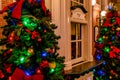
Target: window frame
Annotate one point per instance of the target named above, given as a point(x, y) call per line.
point(81, 58)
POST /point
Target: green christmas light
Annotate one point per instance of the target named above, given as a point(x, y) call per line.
point(52, 70)
point(22, 59)
point(33, 24)
point(105, 29)
point(29, 22)
point(100, 39)
point(106, 49)
point(28, 54)
point(26, 21)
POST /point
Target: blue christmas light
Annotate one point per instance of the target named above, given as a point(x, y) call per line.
point(38, 0)
point(104, 63)
point(98, 57)
point(29, 71)
point(110, 7)
point(113, 37)
point(101, 73)
point(44, 54)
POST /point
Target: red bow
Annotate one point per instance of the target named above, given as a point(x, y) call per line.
point(18, 8)
point(43, 6)
point(19, 75)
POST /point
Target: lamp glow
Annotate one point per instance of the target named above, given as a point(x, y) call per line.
point(103, 13)
point(93, 2)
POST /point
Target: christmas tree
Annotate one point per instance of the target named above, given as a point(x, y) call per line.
point(108, 46)
point(29, 42)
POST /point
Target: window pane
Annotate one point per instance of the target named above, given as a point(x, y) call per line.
point(78, 31)
point(79, 49)
point(73, 50)
point(73, 31)
point(81, 1)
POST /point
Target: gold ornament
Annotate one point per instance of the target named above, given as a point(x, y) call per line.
point(104, 37)
point(11, 49)
point(113, 64)
point(30, 50)
point(52, 65)
point(110, 77)
point(116, 75)
point(118, 29)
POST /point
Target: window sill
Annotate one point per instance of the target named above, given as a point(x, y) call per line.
point(82, 69)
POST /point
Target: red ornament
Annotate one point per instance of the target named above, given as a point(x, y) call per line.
point(45, 31)
point(116, 50)
point(1, 74)
point(112, 72)
point(51, 50)
point(44, 64)
point(28, 31)
point(39, 40)
point(34, 34)
point(112, 54)
point(38, 71)
point(8, 70)
point(11, 37)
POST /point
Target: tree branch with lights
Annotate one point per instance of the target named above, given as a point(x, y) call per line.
point(30, 42)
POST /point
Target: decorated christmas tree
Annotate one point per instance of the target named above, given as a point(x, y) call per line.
point(29, 43)
point(108, 46)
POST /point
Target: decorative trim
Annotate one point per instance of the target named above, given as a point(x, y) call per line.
point(78, 21)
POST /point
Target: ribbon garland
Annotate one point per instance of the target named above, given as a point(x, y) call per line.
point(16, 13)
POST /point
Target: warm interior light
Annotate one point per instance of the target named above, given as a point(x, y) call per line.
point(103, 13)
point(93, 2)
